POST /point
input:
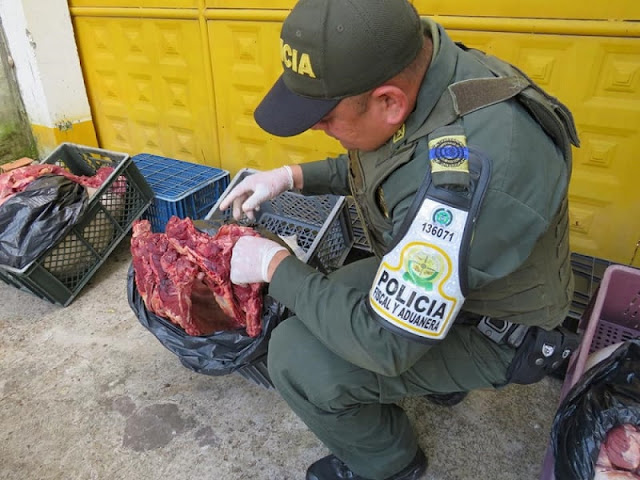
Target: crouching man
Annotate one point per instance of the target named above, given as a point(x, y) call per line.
point(463, 195)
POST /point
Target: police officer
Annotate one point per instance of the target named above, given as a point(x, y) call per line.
point(459, 167)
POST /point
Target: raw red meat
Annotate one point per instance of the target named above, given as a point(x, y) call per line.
point(183, 275)
point(619, 456)
point(16, 180)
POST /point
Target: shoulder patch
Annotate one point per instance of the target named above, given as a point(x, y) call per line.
point(449, 153)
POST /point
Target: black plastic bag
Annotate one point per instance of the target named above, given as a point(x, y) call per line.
point(220, 353)
point(607, 396)
point(35, 219)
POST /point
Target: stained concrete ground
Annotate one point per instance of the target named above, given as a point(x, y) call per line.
point(87, 393)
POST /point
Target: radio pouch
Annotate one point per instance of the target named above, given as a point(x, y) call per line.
point(541, 352)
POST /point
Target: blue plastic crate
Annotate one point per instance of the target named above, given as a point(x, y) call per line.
point(183, 189)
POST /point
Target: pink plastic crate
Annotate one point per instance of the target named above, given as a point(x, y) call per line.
point(613, 316)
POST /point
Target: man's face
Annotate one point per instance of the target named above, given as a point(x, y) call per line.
point(357, 123)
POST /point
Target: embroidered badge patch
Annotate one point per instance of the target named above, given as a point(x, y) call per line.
point(449, 153)
point(399, 135)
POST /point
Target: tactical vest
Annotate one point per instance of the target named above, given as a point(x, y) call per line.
point(516, 297)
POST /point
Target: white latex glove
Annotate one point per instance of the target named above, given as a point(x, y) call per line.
point(255, 189)
point(250, 259)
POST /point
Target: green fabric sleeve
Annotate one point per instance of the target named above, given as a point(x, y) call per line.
point(529, 178)
point(338, 316)
point(326, 176)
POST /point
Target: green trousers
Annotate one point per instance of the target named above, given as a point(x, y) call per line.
point(352, 410)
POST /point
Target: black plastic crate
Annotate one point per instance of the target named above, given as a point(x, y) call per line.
point(359, 237)
point(60, 273)
point(588, 273)
point(257, 372)
point(320, 223)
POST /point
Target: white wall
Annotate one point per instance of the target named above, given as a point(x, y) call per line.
point(41, 42)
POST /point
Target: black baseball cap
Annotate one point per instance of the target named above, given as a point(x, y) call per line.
point(332, 49)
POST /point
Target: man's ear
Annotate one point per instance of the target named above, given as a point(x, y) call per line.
point(393, 102)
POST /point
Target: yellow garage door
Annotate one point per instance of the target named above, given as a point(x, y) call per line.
point(182, 78)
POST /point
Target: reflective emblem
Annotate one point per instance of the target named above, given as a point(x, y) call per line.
point(547, 350)
point(417, 287)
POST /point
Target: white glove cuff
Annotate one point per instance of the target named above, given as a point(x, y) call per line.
point(290, 172)
point(266, 259)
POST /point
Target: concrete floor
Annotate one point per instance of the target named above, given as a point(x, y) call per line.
point(87, 393)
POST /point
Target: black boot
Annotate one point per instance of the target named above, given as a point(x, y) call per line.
point(447, 399)
point(332, 468)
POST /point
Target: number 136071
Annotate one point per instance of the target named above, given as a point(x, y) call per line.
point(437, 231)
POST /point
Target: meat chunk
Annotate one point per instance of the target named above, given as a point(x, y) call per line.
point(602, 473)
point(183, 275)
point(619, 455)
point(16, 180)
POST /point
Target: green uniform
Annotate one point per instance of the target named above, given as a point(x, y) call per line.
point(339, 369)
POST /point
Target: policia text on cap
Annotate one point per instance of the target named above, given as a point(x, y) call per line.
point(463, 195)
